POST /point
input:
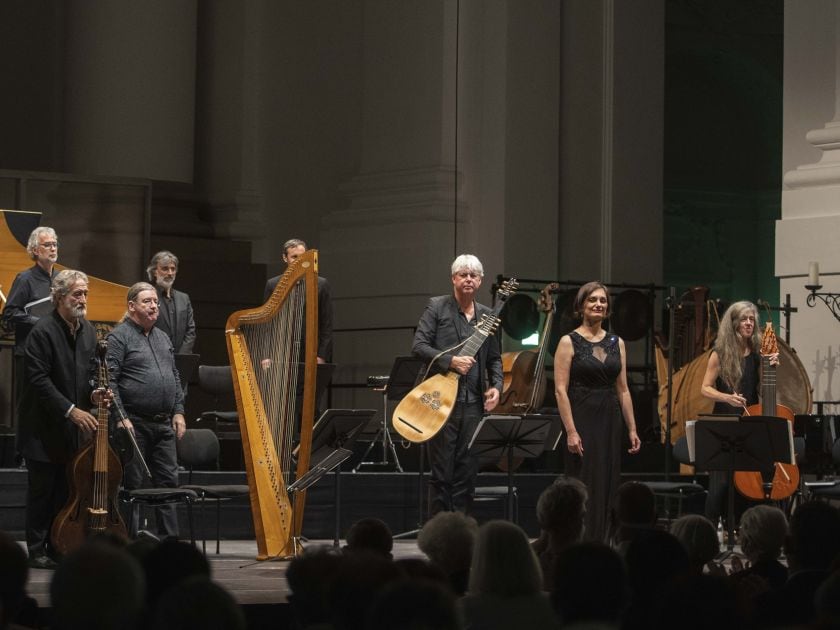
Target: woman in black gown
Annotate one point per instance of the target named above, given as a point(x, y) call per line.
point(590, 377)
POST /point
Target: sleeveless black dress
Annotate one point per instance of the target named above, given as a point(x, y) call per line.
point(597, 416)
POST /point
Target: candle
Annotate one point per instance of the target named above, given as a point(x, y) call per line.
point(813, 274)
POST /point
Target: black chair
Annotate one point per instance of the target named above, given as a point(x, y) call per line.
point(670, 492)
point(827, 490)
point(199, 448)
point(485, 494)
point(217, 381)
point(158, 497)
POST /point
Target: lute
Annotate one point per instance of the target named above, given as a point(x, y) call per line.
point(427, 407)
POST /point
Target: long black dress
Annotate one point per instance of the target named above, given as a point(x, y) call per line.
point(597, 416)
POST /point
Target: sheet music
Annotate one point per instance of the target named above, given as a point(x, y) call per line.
point(689, 438)
point(39, 308)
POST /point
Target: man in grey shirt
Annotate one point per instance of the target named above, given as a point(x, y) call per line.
point(147, 388)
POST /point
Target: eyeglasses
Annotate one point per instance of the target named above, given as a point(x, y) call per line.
point(50, 245)
point(146, 302)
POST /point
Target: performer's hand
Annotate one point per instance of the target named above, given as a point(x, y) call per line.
point(126, 424)
point(179, 424)
point(101, 395)
point(83, 420)
point(265, 364)
point(574, 443)
point(774, 359)
point(736, 400)
point(462, 365)
point(635, 443)
point(491, 399)
point(320, 361)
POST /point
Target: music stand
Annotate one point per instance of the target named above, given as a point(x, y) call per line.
point(402, 380)
point(752, 443)
point(332, 441)
point(509, 437)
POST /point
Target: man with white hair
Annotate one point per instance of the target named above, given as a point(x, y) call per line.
point(447, 322)
point(53, 416)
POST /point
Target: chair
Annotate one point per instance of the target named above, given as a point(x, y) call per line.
point(198, 448)
point(827, 490)
point(216, 380)
point(676, 491)
point(499, 493)
point(158, 497)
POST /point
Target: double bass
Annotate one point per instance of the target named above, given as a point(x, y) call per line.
point(785, 481)
point(93, 477)
point(524, 371)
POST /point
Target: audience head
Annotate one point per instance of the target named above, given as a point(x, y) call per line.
point(813, 541)
point(197, 602)
point(414, 604)
point(699, 602)
point(762, 532)
point(370, 534)
point(654, 559)
point(360, 577)
point(448, 539)
point(503, 563)
point(169, 562)
point(97, 587)
point(699, 539)
point(561, 510)
point(13, 578)
point(310, 578)
point(590, 584)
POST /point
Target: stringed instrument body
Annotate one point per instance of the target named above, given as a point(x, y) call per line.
point(785, 481)
point(524, 371)
point(425, 409)
point(93, 477)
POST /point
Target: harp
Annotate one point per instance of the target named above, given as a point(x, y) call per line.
point(272, 352)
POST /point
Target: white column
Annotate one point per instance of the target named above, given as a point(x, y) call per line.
point(810, 225)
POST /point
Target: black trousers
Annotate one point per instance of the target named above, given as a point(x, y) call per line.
point(453, 468)
point(46, 494)
point(156, 441)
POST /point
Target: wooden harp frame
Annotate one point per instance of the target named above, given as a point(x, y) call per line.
point(278, 518)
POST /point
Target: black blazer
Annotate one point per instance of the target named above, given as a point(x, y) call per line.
point(183, 333)
point(325, 314)
point(437, 331)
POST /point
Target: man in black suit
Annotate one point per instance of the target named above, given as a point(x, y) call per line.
point(58, 355)
point(447, 322)
point(292, 250)
point(176, 312)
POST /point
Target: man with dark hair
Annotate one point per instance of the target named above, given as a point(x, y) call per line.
point(58, 357)
point(292, 250)
point(175, 316)
point(147, 388)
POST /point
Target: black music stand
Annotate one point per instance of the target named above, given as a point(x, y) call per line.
point(402, 380)
point(511, 436)
point(752, 443)
point(332, 443)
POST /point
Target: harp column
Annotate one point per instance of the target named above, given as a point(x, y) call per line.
point(810, 224)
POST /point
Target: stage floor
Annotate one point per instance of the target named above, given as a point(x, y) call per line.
point(251, 582)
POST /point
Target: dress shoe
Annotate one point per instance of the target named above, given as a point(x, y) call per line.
point(42, 562)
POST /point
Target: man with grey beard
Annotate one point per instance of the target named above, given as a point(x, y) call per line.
point(176, 313)
point(53, 421)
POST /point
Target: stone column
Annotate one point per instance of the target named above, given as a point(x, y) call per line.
point(809, 230)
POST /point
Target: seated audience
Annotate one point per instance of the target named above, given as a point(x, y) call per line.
point(590, 586)
point(197, 602)
point(358, 580)
point(415, 604)
point(633, 512)
point(310, 578)
point(170, 562)
point(698, 537)
point(762, 534)
point(17, 609)
point(561, 511)
point(370, 534)
point(505, 588)
point(448, 539)
point(97, 587)
point(811, 546)
point(699, 602)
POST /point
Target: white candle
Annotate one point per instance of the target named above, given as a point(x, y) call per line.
point(813, 274)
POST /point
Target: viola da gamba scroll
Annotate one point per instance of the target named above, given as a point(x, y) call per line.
point(273, 358)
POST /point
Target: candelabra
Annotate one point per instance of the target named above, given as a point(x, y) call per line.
point(831, 300)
